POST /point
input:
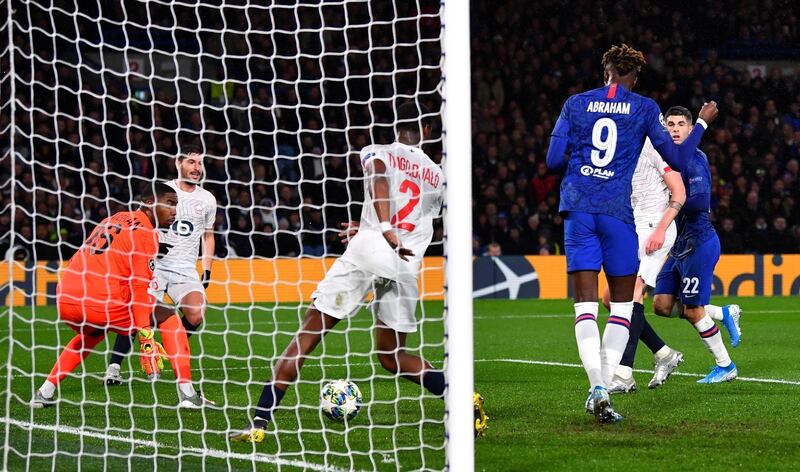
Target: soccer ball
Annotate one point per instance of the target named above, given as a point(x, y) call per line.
point(340, 400)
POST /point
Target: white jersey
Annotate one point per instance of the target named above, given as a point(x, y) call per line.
point(194, 214)
point(649, 195)
point(416, 186)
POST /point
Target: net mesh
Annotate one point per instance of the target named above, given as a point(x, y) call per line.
point(97, 99)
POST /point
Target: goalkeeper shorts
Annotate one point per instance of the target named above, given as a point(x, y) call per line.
point(345, 286)
point(85, 319)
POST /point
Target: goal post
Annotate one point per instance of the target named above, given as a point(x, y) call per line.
point(97, 98)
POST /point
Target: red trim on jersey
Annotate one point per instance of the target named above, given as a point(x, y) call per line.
point(667, 169)
point(612, 91)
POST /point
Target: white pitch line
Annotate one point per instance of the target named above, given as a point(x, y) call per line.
point(682, 374)
point(215, 453)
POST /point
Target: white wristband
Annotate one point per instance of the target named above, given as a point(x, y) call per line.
point(702, 123)
point(385, 226)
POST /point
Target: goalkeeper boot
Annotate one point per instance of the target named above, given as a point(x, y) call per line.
point(730, 319)
point(195, 401)
point(602, 408)
point(720, 374)
point(665, 367)
point(113, 375)
point(622, 385)
point(481, 419)
point(253, 432)
point(40, 401)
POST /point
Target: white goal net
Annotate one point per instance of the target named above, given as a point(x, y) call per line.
point(97, 98)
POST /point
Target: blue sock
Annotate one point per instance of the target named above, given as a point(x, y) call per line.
point(122, 346)
point(189, 327)
point(433, 380)
point(271, 397)
point(637, 323)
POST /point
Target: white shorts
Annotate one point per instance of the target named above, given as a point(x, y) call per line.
point(175, 285)
point(341, 293)
point(650, 264)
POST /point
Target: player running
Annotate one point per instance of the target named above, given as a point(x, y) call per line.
point(657, 196)
point(689, 271)
point(403, 194)
point(104, 288)
point(604, 131)
point(176, 271)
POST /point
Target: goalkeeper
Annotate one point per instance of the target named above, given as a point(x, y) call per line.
point(104, 288)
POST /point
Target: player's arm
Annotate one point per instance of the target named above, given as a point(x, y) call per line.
point(674, 183)
point(144, 250)
point(559, 141)
point(375, 170)
point(679, 155)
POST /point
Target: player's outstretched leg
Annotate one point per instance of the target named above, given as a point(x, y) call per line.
point(73, 354)
point(315, 325)
point(729, 316)
point(176, 344)
point(725, 370)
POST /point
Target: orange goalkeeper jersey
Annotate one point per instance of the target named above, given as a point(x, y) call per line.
point(114, 267)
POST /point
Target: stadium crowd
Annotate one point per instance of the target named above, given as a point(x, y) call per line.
point(282, 130)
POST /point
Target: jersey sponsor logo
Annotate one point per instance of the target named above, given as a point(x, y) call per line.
point(412, 169)
point(510, 277)
point(182, 227)
point(623, 108)
point(597, 172)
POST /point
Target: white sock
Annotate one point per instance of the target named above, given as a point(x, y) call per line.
point(615, 337)
point(714, 311)
point(713, 340)
point(587, 334)
point(187, 389)
point(47, 389)
point(624, 371)
point(663, 352)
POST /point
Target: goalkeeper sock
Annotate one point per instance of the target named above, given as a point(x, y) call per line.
point(177, 346)
point(189, 327)
point(76, 351)
point(433, 380)
point(270, 398)
point(122, 346)
point(615, 337)
point(588, 337)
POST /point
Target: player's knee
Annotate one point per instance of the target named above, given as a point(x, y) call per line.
point(388, 361)
point(662, 306)
point(194, 314)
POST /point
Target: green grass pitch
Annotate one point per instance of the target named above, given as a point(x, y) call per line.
point(526, 367)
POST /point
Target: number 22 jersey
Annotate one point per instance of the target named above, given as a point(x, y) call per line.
point(606, 129)
point(416, 186)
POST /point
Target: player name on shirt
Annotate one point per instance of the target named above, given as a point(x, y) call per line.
point(412, 169)
point(609, 107)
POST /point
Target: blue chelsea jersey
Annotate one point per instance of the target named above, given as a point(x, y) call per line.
point(605, 129)
point(694, 220)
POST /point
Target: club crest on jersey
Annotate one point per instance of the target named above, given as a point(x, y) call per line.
point(198, 210)
point(597, 172)
point(151, 264)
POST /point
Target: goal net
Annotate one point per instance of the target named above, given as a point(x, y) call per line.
point(97, 100)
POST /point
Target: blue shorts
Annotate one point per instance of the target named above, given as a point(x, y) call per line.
point(692, 276)
point(592, 240)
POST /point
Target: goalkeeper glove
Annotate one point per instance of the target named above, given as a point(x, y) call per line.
point(206, 278)
point(151, 353)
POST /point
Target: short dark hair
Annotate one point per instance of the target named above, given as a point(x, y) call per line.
point(410, 114)
point(679, 111)
point(624, 59)
point(189, 149)
point(155, 191)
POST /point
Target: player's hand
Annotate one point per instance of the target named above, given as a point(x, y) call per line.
point(709, 112)
point(206, 278)
point(394, 242)
point(151, 353)
point(349, 229)
point(655, 241)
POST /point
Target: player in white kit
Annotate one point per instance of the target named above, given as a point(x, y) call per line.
point(403, 194)
point(176, 272)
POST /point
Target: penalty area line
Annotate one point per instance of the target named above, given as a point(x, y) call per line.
point(204, 452)
point(681, 374)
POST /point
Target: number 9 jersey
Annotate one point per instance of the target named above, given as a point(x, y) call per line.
point(194, 214)
point(606, 129)
point(415, 191)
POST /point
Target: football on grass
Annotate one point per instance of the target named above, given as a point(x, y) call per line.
point(340, 400)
